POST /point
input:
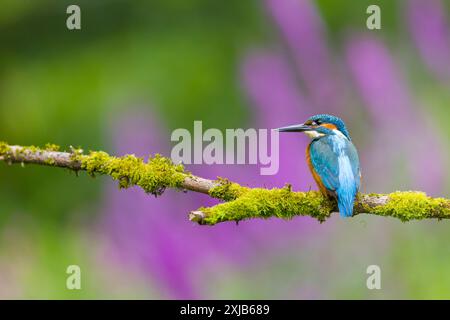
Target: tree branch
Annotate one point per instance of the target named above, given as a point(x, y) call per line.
point(241, 202)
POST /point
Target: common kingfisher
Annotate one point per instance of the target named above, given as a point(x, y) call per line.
point(332, 159)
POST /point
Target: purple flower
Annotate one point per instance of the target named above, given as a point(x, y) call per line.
point(147, 230)
point(155, 233)
point(302, 28)
point(276, 102)
point(401, 134)
point(431, 34)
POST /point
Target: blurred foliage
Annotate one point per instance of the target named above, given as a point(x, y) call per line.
point(63, 87)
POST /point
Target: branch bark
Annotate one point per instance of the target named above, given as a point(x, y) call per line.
point(240, 202)
point(69, 160)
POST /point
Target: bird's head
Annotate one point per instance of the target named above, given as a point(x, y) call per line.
point(318, 126)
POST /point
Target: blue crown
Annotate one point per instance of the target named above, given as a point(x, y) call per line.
point(327, 118)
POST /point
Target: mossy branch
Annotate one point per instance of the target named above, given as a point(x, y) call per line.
point(159, 173)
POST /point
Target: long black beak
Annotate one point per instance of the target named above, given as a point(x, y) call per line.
point(295, 128)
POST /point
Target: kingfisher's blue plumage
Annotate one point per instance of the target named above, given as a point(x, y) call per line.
point(332, 159)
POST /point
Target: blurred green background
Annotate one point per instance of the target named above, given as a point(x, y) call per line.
point(182, 61)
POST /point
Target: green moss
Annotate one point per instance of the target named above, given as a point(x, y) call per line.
point(227, 190)
point(153, 176)
point(76, 154)
point(32, 149)
point(411, 205)
point(50, 161)
point(4, 148)
point(283, 203)
point(52, 147)
point(264, 203)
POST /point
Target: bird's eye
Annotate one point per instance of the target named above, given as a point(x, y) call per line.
point(314, 123)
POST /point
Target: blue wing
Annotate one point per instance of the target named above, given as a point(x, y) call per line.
point(336, 161)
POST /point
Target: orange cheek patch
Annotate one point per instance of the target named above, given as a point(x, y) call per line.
point(329, 126)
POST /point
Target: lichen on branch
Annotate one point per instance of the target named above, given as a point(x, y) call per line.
point(153, 176)
point(267, 203)
point(406, 206)
point(226, 190)
point(284, 203)
point(240, 202)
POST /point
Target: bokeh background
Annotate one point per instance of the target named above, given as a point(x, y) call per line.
point(138, 70)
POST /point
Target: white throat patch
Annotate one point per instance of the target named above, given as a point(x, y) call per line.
point(314, 134)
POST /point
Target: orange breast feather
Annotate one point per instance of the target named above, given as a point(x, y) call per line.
point(316, 177)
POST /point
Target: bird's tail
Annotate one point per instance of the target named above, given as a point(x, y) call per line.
point(345, 204)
